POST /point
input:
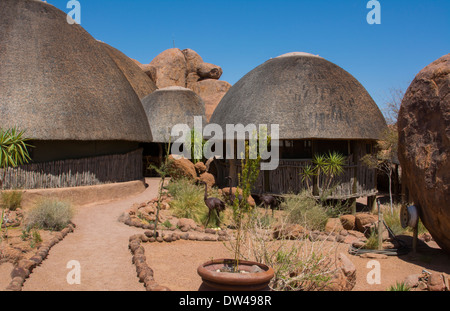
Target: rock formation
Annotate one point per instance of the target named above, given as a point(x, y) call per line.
point(186, 68)
point(424, 147)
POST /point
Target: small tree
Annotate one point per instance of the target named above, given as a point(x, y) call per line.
point(393, 104)
point(163, 171)
point(196, 145)
point(248, 177)
point(386, 157)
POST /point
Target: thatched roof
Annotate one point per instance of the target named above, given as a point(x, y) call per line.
point(170, 106)
point(138, 79)
point(58, 83)
point(308, 96)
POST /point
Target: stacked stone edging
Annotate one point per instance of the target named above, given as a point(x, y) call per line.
point(25, 267)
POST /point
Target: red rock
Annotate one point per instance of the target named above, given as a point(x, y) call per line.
point(333, 225)
point(193, 60)
point(348, 222)
point(212, 92)
point(362, 220)
point(209, 71)
point(289, 232)
point(182, 168)
point(424, 147)
point(171, 68)
point(436, 283)
point(208, 178)
point(344, 278)
point(200, 167)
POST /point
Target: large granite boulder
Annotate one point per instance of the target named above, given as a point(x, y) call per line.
point(424, 147)
point(193, 60)
point(209, 71)
point(171, 68)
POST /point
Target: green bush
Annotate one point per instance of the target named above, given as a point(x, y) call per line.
point(49, 214)
point(372, 241)
point(188, 201)
point(11, 200)
point(303, 209)
point(399, 287)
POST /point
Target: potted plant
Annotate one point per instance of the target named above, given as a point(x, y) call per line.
point(236, 274)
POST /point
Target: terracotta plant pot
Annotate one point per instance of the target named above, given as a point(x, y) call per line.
point(227, 281)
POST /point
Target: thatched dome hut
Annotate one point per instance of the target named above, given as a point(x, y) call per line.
point(62, 87)
point(138, 79)
point(170, 106)
point(308, 96)
point(318, 106)
point(166, 108)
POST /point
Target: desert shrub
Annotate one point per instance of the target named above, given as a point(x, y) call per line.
point(36, 238)
point(392, 219)
point(372, 241)
point(188, 201)
point(11, 200)
point(303, 209)
point(299, 264)
point(336, 208)
point(49, 214)
point(399, 287)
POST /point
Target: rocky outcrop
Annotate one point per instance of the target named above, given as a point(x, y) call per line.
point(424, 146)
point(345, 277)
point(186, 68)
point(183, 168)
point(171, 68)
point(212, 92)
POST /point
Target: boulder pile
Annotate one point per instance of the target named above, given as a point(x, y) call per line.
point(186, 68)
point(349, 229)
point(433, 282)
point(184, 168)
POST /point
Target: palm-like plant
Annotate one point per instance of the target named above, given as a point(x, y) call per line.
point(334, 166)
point(13, 152)
point(13, 149)
point(325, 168)
point(308, 173)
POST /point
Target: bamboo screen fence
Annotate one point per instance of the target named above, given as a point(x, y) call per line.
point(75, 173)
point(356, 180)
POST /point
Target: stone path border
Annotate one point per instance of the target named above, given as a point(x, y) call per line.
point(143, 271)
point(25, 267)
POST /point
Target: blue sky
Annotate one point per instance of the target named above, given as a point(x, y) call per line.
point(240, 35)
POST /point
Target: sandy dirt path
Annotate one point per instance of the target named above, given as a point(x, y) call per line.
point(180, 272)
point(100, 245)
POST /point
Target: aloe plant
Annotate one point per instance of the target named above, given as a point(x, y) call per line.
point(13, 149)
point(325, 168)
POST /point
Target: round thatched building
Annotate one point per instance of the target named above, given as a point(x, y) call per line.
point(60, 86)
point(166, 108)
point(138, 79)
point(318, 106)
